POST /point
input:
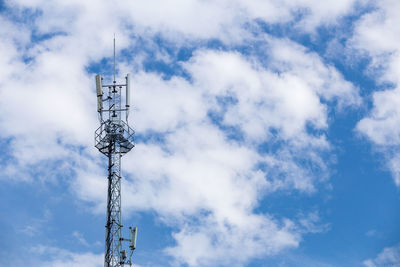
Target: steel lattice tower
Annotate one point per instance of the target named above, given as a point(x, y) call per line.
point(114, 138)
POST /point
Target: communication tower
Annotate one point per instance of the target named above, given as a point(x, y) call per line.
point(114, 138)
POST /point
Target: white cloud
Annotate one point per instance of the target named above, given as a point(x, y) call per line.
point(381, 124)
point(311, 223)
point(220, 242)
point(389, 257)
point(208, 184)
point(198, 178)
point(182, 20)
point(62, 258)
point(286, 98)
point(57, 257)
point(79, 237)
point(34, 226)
point(377, 36)
point(226, 20)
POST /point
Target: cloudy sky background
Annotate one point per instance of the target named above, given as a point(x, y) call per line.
point(267, 131)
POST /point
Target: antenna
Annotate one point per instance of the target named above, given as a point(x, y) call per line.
point(133, 238)
point(114, 58)
point(99, 93)
point(114, 138)
point(128, 94)
point(128, 90)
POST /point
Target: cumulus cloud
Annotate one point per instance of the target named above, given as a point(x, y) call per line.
point(181, 170)
point(214, 143)
point(377, 36)
point(214, 242)
point(58, 257)
point(226, 20)
point(187, 20)
point(389, 257)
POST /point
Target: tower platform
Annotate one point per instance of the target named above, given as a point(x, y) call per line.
point(114, 132)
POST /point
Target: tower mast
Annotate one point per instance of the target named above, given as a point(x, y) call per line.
point(114, 138)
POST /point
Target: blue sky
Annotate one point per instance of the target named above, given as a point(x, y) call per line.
point(266, 131)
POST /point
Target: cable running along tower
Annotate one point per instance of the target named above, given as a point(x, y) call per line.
point(114, 138)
